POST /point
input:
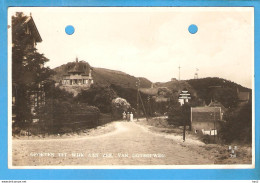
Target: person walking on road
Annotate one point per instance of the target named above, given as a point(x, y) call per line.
point(128, 116)
point(124, 116)
point(131, 117)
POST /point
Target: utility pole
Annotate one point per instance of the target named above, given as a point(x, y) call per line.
point(214, 123)
point(184, 125)
point(137, 98)
point(179, 72)
point(143, 107)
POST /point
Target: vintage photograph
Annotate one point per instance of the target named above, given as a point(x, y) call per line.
point(131, 87)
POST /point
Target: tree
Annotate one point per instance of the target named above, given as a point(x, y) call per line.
point(238, 124)
point(99, 96)
point(119, 105)
point(177, 114)
point(28, 71)
point(226, 96)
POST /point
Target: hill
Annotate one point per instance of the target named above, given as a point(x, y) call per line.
point(204, 89)
point(211, 82)
point(105, 77)
point(176, 85)
point(220, 89)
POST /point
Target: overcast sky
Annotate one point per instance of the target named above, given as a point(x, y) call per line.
point(151, 42)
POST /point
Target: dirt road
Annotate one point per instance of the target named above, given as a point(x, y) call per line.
point(128, 144)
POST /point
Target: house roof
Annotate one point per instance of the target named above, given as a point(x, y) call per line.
point(206, 109)
point(217, 104)
point(34, 29)
point(81, 67)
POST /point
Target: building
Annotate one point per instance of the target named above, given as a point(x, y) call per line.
point(78, 74)
point(205, 119)
point(184, 96)
point(37, 95)
point(243, 96)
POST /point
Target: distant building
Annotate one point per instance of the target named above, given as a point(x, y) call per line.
point(78, 74)
point(205, 118)
point(243, 96)
point(184, 96)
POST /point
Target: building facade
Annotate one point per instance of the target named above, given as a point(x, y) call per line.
point(36, 97)
point(79, 73)
point(205, 119)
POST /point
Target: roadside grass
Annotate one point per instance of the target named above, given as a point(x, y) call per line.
point(218, 152)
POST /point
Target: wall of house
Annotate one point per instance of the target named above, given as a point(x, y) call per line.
point(204, 125)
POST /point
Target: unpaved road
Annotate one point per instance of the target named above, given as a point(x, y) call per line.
point(128, 144)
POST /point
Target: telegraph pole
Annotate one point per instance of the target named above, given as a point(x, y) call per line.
point(214, 123)
point(137, 98)
point(179, 72)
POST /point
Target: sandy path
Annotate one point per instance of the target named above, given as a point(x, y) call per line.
point(128, 144)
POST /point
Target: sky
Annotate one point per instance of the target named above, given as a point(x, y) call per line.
point(151, 42)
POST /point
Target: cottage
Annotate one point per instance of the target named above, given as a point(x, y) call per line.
point(205, 119)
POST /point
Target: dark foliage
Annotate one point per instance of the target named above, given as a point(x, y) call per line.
point(219, 89)
point(99, 96)
point(238, 125)
point(28, 71)
point(57, 93)
point(58, 115)
point(130, 95)
point(179, 115)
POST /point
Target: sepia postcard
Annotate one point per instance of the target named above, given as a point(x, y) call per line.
point(131, 88)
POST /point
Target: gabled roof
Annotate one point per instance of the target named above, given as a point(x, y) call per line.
point(217, 104)
point(81, 67)
point(33, 28)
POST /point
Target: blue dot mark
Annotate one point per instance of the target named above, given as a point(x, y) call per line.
point(69, 30)
point(193, 29)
